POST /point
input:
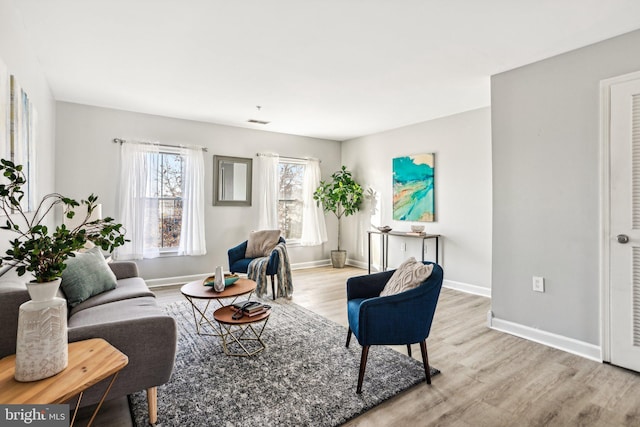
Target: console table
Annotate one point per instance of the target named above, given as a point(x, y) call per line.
point(384, 244)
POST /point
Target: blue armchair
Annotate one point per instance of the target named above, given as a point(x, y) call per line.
point(239, 264)
point(403, 318)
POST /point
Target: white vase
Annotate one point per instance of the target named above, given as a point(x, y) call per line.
point(42, 341)
point(218, 284)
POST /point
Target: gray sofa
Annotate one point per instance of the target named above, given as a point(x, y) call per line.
point(128, 317)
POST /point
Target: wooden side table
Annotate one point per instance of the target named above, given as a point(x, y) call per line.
point(90, 361)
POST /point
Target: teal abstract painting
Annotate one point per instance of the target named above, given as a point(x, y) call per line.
point(413, 189)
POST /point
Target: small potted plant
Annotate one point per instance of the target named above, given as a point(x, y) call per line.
point(35, 249)
point(342, 196)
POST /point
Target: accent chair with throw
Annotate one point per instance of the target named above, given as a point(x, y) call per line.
point(394, 308)
point(263, 254)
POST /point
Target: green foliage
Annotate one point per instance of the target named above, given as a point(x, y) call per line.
point(342, 195)
point(36, 250)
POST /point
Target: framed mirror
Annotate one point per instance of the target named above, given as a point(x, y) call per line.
point(232, 181)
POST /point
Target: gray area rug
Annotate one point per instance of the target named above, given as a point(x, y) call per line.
point(305, 377)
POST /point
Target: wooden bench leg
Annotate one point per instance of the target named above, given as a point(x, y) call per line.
point(152, 402)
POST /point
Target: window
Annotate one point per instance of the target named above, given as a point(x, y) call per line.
point(290, 198)
point(161, 200)
point(165, 201)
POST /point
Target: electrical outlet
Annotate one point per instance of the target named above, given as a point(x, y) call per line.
point(538, 284)
point(403, 246)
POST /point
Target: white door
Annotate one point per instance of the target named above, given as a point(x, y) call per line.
point(624, 134)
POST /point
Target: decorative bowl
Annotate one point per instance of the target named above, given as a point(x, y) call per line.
point(417, 228)
point(229, 279)
point(384, 228)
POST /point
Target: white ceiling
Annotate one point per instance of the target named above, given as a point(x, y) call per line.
point(333, 69)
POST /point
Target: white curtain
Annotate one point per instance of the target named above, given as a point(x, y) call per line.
point(267, 185)
point(314, 230)
point(192, 236)
point(138, 214)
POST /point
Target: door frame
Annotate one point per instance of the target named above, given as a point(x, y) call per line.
point(605, 211)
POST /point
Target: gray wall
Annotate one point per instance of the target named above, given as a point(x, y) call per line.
point(462, 145)
point(18, 56)
point(87, 162)
point(546, 177)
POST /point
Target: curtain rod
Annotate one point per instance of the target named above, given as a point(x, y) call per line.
point(287, 157)
point(122, 141)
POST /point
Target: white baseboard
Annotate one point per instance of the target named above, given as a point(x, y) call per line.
point(178, 280)
point(570, 345)
point(310, 264)
point(466, 287)
point(356, 263)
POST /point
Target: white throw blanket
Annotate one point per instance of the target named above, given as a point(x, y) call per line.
point(257, 271)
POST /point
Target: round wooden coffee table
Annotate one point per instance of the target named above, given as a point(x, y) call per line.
point(194, 291)
point(240, 333)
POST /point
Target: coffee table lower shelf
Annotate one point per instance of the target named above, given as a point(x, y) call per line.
point(241, 337)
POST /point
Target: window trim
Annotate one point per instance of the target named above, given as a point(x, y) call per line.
point(173, 250)
point(291, 160)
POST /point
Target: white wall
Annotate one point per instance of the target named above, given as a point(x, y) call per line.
point(462, 145)
point(19, 57)
point(546, 172)
point(87, 162)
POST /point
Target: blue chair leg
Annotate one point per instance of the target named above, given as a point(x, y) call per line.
point(425, 360)
point(363, 366)
point(273, 288)
point(409, 349)
point(348, 337)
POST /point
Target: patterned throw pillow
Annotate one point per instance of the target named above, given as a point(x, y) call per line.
point(408, 276)
point(261, 243)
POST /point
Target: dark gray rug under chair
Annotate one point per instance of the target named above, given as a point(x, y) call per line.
point(305, 377)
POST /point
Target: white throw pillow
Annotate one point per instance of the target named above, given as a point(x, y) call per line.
point(261, 243)
point(408, 276)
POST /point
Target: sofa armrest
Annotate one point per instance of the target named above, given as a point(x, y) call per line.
point(124, 269)
point(149, 343)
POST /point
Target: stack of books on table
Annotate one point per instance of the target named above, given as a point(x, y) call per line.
point(251, 308)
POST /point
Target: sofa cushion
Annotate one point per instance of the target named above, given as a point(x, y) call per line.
point(409, 275)
point(133, 287)
point(114, 312)
point(87, 274)
point(261, 243)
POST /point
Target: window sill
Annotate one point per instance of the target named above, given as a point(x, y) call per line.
point(168, 253)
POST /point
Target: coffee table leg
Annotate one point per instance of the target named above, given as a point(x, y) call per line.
point(203, 318)
point(227, 331)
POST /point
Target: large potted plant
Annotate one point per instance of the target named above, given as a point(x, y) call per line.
point(41, 345)
point(342, 196)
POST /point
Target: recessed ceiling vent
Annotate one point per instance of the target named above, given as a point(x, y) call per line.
point(258, 122)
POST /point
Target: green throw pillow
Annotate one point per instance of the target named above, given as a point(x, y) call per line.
point(87, 274)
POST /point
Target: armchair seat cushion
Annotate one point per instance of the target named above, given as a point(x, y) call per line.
point(241, 265)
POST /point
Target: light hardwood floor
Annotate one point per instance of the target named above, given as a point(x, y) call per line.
point(488, 378)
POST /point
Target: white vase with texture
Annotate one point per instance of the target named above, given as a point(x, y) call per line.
point(42, 341)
